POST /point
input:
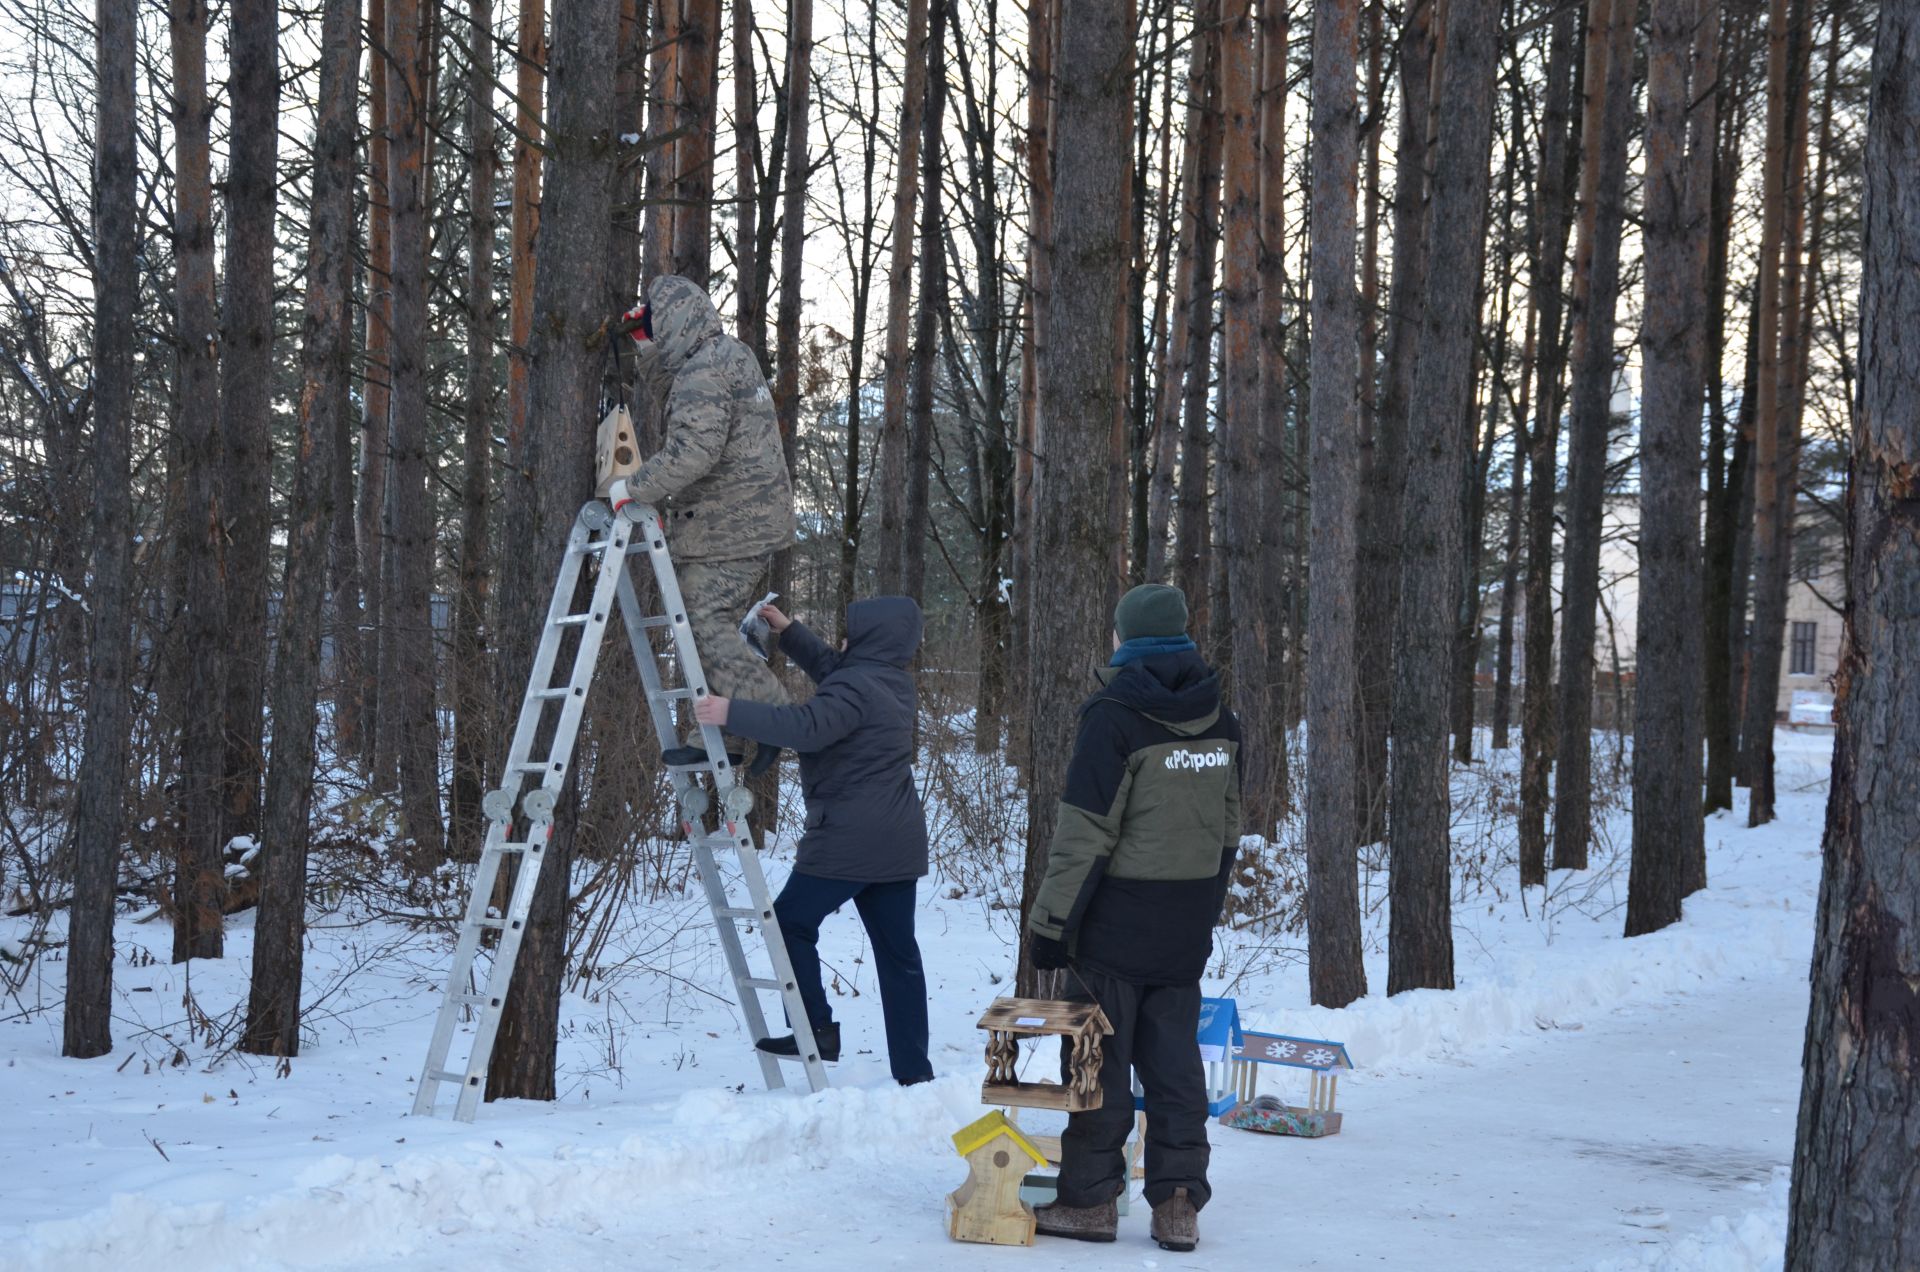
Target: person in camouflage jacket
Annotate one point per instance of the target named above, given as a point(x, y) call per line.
point(720, 480)
point(1137, 872)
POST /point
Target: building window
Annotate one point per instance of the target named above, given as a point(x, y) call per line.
point(1802, 652)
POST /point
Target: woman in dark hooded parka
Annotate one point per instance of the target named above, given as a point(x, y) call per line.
point(866, 835)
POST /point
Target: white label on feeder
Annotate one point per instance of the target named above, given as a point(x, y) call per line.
point(1034, 1022)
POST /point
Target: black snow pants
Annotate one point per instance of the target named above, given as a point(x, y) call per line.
point(1153, 1035)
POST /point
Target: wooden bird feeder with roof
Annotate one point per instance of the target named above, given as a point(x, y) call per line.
point(1009, 1020)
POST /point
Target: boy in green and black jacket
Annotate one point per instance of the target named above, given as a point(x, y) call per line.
point(1147, 833)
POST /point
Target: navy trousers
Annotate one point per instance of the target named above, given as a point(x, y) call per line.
point(887, 911)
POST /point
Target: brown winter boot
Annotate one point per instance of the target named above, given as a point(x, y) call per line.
point(1078, 1223)
point(1176, 1224)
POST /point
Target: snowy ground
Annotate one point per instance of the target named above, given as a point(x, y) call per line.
point(1581, 1101)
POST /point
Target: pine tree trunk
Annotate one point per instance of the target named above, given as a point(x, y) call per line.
point(894, 444)
point(1078, 400)
point(1277, 483)
point(566, 357)
point(246, 408)
point(751, 302)
point(933, 302)
point(1721, 710)
point(529, 82)
point(326, 352)
point(1384, 456)
point(406, 648)
point(1193, 555)
point(1856, 1197)
point(474, 698)
point(1241, 510)
point(1668, 827)
point(697, 84)
point(1335, 973)
point(100, 790)
point(1420, 949)
point(1549, 264)
point(198, 879)
point(793, 238)
point(1609, 111)
point(370, 512)
point(1776, 428)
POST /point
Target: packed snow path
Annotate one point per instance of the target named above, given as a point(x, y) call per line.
point(1579, 1102)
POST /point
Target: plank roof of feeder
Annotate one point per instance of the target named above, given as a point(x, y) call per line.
point(1041, 1016)
point(987, 1129)
point(1295, 1053)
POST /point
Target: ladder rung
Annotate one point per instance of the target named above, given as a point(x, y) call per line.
point(548, 695)
point(573, 620)
point(471, 1000)
point(656, 620)
point(791, 1059)
point(531, 766)
point(512, 845)
point(703, 766)
point(762, 982)
point(741, 912)
point(448, 1075)
point(595, 545)
point(668, 695)
point(498, 925)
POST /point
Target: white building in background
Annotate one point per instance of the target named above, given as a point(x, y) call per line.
point(1811, 643)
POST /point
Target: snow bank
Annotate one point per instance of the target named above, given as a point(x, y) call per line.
point(347, 1210)
point(1754, 1242)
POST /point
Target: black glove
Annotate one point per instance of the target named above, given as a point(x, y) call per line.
point(1049, 955)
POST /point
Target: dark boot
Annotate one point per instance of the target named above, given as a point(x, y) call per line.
point(685, 756)
point(764, 758)
point(1176, 1224)
point(826, 1037)
point(1078, 1223)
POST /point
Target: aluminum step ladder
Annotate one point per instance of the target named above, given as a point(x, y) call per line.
point(520, 813)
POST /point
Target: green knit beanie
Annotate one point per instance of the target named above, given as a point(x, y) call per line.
point(1152, 609)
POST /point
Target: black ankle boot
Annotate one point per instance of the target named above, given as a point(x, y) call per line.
point(683, 756)
point(826, 1037)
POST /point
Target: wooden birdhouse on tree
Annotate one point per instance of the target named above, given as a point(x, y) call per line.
point(616, 452)
point(987, 1208)
point(1325, 1061)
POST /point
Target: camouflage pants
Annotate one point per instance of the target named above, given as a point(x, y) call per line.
point(717, 594)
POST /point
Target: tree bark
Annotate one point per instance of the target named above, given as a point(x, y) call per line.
point(1776, 426)
point(894, 444)
point(793, 238)
point(100, 790)
point(1277, 481)
point(1549, 263)
point(1193, 556)
point(1856, 1198)
point(199, 880)
point(697, 86)
point(1079, 403)
point(370, 514)
point(246, 401)
point(1420, 949)
point(1241, 511)
point(529, 82)
point(1668, 825)
point(474, 698)
point(933, 302)
point(1384, 452)
point(326, 350)
point(1609, 111)
point(1335, 973)
point(406, 648)
point(566, 355)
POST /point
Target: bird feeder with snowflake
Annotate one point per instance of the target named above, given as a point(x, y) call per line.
point(1325, 1061)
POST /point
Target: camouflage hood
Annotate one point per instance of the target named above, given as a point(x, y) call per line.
point(683, 319)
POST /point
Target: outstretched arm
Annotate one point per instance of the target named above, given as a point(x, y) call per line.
point(814, 725)
point(807, 651)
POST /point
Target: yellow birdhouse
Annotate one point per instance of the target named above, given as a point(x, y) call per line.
point(987, 1208)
